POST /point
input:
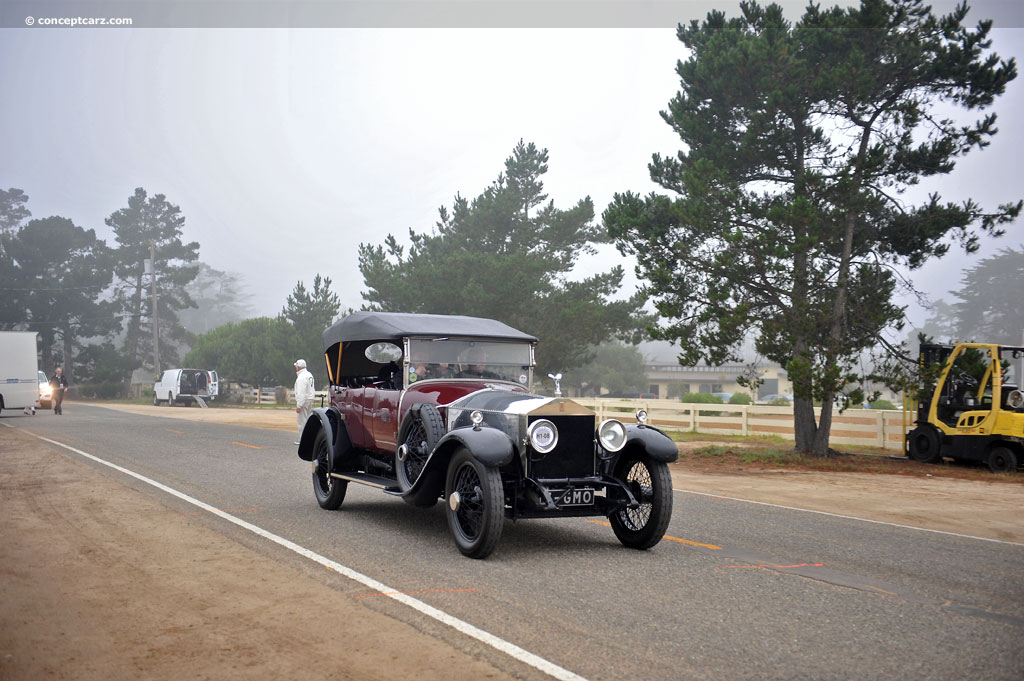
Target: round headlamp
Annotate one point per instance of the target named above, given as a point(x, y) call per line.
point(612, 435)
point(641, 416)
point(476, 418)
point(543, 436)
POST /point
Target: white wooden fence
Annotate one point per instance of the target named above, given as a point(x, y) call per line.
point(269, 396)
point(866, 427)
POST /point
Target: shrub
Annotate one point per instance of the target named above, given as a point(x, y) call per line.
point(780, 402)
point(740, 398)
point(104, 390)
point(882, 404)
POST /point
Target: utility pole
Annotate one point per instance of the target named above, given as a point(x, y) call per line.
point(156, 315)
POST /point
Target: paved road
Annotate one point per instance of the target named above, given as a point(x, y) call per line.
point(740, 591)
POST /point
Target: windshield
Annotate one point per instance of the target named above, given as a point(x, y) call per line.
point(447, 358)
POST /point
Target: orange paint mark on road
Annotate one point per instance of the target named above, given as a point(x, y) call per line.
point(172, 430)
point(428, 591)
point(668, 538)
point(242, 444)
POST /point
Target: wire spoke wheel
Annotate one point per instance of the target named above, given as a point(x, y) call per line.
point(422, 434)
point(639, 480)
point(651, 483)
point(470, 513)
point(475, 505)
point(330, 492)
point(416, 451)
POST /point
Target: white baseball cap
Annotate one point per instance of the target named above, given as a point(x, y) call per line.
point(301, 363)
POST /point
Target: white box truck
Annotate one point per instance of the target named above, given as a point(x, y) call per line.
point(19, 370)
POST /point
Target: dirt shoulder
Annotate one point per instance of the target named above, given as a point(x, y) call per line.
point(99, 581)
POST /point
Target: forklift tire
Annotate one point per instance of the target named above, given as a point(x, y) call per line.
point(924, 446)
point(1002, 460)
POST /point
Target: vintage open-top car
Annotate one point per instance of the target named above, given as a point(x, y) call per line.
point(430, 407)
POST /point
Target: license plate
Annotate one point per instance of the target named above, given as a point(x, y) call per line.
point(580, 496)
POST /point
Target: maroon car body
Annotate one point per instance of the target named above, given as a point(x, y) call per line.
point(430, 407)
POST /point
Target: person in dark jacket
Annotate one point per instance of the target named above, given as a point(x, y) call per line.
point(59, 383)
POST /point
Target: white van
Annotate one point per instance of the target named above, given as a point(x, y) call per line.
point(184, 386)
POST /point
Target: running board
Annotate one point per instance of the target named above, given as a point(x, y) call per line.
point(386, 484)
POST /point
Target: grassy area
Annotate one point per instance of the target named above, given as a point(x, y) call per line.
point(737, 454)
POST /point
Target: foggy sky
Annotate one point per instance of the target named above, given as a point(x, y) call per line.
point(285, 148)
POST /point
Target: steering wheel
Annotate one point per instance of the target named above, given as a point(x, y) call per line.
point(967, 379)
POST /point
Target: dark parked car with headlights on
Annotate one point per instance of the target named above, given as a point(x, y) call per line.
point(436, 407)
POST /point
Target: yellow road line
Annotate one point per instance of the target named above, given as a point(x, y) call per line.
point(242, 444)
point(172, 430)
point(675, 539)
point(693, 543)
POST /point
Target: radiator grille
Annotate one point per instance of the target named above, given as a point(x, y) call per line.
point(574, 455)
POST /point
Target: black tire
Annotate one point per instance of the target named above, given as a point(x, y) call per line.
point(421, 435)
point(330, 492)
point(651, 483)
point(170, 399)
point(923, 445)
point(156, 400)
point(479, 505)
point(1002, 460)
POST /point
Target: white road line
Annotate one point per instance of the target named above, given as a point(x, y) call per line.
point(510, 649)
point(847, 517)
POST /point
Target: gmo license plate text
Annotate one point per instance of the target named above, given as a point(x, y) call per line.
point(577, 497)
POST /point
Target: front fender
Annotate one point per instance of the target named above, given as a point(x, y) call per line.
point(328, 419)
point(490, 446)
point(654, 443)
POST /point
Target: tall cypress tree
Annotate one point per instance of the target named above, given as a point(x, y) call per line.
point(789, 213)
point(143, 221)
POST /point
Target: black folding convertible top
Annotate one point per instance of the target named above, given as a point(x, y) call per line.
point(363, 326)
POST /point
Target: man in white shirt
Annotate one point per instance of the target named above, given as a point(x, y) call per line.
point(303, 394)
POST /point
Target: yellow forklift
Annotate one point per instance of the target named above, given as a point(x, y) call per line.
point(968, 418)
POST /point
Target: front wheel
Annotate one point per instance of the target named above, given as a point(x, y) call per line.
point(330, 492)
point(651, 484)
point(924, 446)
point(475, 505)
point(156, 400)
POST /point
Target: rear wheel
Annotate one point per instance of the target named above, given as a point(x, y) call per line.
point(651, 484)
point(475, 505)
point(330, 492)
point(422, 434)
point(1002, 460)
point(924, 446)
